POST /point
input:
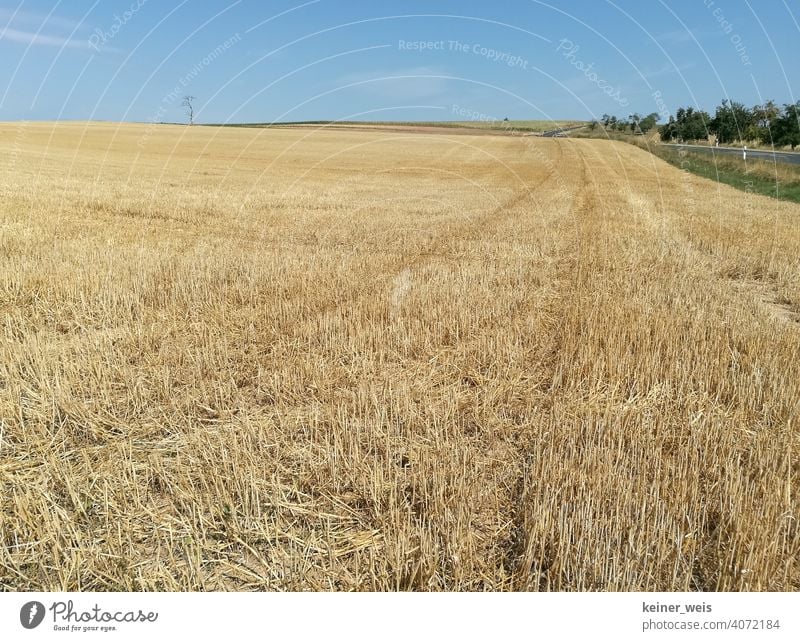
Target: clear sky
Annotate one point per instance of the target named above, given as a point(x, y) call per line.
point(289, 60)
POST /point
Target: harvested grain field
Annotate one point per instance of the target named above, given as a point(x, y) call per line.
point(284, 359)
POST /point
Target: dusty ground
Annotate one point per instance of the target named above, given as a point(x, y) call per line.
point(289, 359)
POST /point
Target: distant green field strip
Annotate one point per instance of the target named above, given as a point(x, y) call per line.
point(509, 125)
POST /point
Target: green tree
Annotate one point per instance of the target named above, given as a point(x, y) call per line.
point(786, 131)
point(633, 122)
point(669, 131)
point(764, 119)
point(731, 122)
point(690, 125)
point(649, 122)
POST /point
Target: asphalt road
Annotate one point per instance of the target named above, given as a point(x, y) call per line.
point(752, 154)
point(558, 133)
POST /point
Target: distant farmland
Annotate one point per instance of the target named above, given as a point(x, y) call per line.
point(290, 359)
point(505, 126)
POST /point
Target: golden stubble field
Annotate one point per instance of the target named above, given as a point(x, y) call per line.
point(239, 359)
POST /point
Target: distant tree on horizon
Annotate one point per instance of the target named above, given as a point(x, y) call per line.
point(188, 104)
point(732, 122)
point(786, 131)
point(688, 125)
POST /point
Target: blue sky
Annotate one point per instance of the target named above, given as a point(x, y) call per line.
point(287, 60)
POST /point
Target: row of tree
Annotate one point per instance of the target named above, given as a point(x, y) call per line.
point(635, 123)
point(733, 122)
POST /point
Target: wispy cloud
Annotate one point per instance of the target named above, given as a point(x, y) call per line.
point(667, 70)
point(409, 83)
point(39, 29)
point(39, 39)
point(686, 36)
point(20, 19)
point(678, 37)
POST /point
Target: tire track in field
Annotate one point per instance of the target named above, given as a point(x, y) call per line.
point(529, 563)
point(437, 249)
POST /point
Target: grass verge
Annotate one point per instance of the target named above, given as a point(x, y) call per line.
point(763, 177)
point(778, 180)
